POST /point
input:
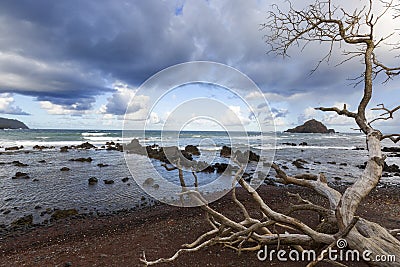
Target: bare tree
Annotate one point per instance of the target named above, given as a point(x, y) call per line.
point(320, 22)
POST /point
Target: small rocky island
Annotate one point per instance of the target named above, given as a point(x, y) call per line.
point(311, 126)
point(12, 124)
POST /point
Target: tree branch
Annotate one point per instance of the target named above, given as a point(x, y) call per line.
point(388, 112)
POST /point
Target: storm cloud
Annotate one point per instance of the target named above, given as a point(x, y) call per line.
point(67, 53)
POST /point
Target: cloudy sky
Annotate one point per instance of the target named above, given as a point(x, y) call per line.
point(76, 64)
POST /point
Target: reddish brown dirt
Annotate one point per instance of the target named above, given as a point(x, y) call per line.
point(119, 239)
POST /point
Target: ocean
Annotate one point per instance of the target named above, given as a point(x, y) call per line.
point(48, 188)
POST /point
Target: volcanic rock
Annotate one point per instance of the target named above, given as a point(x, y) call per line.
point(21, 175)
point(311, 126)
point(226, 152)
point(192, 150)
point(85, 145)
point(92, 180)
point(89, 159)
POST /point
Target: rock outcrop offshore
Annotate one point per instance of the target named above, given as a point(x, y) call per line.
point(12, 124)
point(311, 126)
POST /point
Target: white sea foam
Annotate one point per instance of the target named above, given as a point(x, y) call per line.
point(94, 134)
point(105, 139)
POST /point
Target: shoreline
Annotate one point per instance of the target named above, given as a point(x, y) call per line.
point(120, 238)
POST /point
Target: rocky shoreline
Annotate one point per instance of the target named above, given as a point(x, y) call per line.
point(159, 153)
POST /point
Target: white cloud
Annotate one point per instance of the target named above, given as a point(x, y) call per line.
point(124, 101)
point(6, 105)
point(55, 109)
point(233, 117)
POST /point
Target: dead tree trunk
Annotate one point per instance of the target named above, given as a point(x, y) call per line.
point(321, 22)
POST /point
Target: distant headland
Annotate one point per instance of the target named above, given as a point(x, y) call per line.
point(12, 124)
point(311, 126)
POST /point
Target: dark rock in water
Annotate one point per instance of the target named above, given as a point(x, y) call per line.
point(101, 165)
point(285, 167)
point(42, 161)
point(253, 156)
point(42, 147)
point(289, 144)
point(21, 175)
point(226, 152)
point(124, 180)
point(6, 212)
point(92, 180)
point(89, 159)
point(62, 214)
point(108, 181)
point(85, 145)
point(311, 126)
point(391, 168)
point(135, 147)
point(35, 180)
point(332, 162)
point(394, 155)
point(116, 147)
point(64, 169)
point(391, 149)
point(317, 162)
point(202, 166)
point(358, 148)
point(64, 149)
point(23, 221)
point(362, 166)
point(386, 168)
point(19, 164)
point(209, 169)
point(38, 207)
point(337, 178)
point(13, 148)
point(343, 164)
point(168, 154)
point(148, 181)
point(303, 144)
point(246, 156)
point(299, 163)
point(12, 124)
point(221, 167)
point(192, 150)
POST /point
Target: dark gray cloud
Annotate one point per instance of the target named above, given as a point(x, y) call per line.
point(69, 52)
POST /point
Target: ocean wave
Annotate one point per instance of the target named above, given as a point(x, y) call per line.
point(104, 138)
point(86, 134)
